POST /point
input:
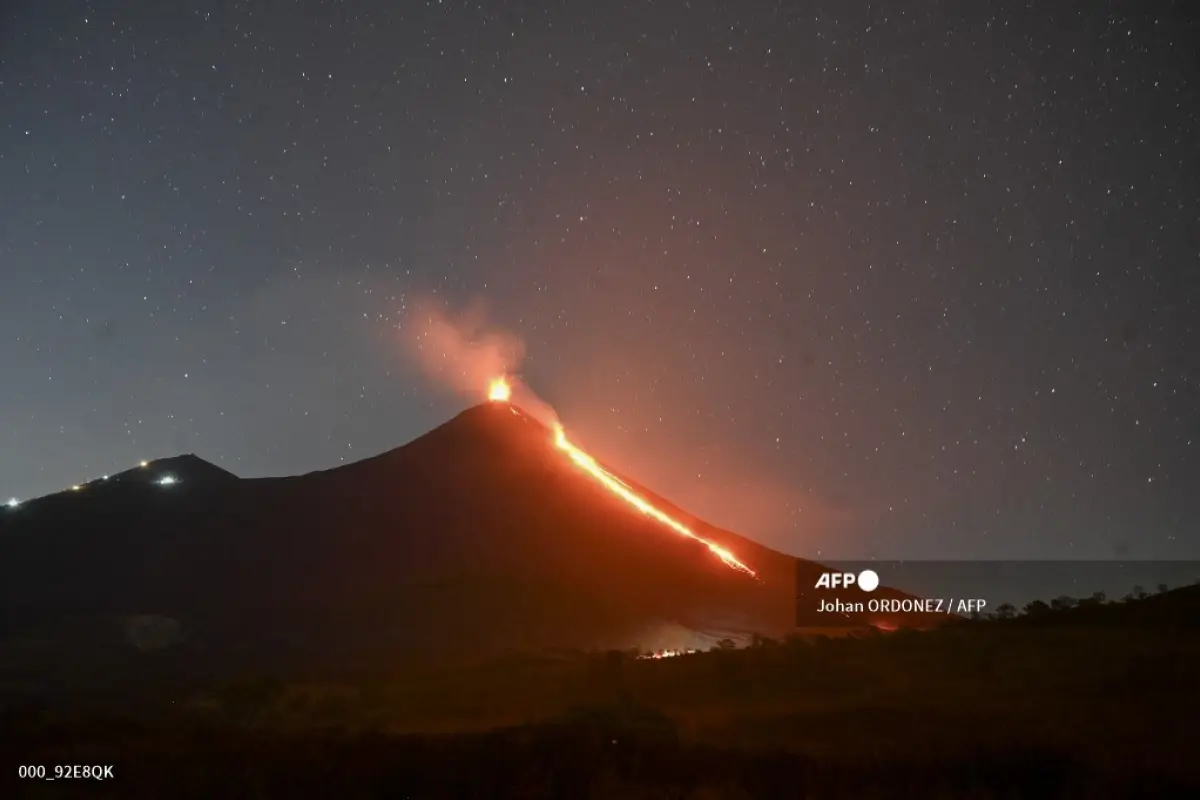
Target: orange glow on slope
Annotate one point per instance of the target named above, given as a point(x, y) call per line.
point(622, 490)
point(500, 390)
point(668, 653)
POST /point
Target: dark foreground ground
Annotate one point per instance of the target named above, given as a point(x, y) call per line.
point(568, 761)
point(1075, 706)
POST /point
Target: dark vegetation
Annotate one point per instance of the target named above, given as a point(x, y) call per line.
point(1065, 699)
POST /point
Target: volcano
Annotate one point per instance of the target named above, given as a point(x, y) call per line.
point(477, 538)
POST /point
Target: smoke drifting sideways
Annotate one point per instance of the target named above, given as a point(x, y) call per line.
point(459, 350)
point(462, 352)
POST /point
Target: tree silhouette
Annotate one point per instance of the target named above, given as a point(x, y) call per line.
point(1037, 608)
point(760, 641)
point(1006, 611)
point(1163, 588)
point(1139, 593)
point(1062, 603)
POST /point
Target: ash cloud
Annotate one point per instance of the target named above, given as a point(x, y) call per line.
point(461, 351)
point(458, 350)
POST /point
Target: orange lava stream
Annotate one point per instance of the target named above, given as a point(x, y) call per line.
point(500, 390)
point(622, 490)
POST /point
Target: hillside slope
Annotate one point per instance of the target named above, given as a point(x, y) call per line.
point(477, 537)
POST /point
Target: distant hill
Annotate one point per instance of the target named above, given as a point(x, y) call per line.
point(1175, 609)
point(187, 468)
point(476, 538)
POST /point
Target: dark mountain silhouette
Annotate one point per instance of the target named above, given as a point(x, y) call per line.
point(476, 538)
point(186, 468)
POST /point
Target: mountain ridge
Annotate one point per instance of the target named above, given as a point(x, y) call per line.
point(477, 537)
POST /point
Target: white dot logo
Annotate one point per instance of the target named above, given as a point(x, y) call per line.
point(868, 581)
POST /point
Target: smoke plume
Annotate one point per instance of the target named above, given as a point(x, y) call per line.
point(458, 350)
point(462, 352)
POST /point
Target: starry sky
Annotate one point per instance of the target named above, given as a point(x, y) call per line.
point(857, 280)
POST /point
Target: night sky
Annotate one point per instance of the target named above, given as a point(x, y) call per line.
point(852, 279)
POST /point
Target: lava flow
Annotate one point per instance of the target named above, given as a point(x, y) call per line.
point(500, 390)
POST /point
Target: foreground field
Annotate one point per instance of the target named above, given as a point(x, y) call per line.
point(991, 709)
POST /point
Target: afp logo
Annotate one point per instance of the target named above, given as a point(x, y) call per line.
point(866, 580)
